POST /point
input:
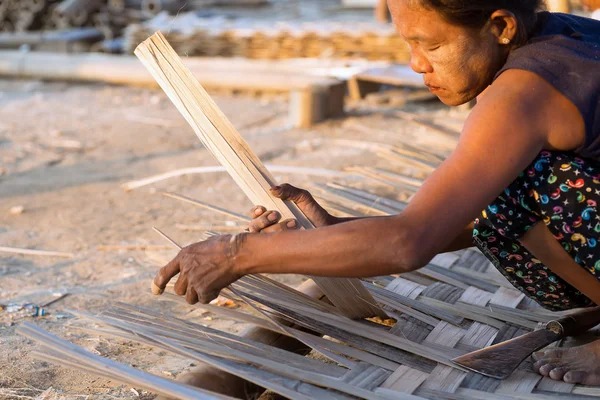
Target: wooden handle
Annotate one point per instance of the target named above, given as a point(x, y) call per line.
point(577, 324)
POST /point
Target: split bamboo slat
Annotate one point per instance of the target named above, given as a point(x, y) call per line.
point(229, 148)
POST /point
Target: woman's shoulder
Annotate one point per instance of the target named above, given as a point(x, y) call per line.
point(575, 27)
point(564, 50)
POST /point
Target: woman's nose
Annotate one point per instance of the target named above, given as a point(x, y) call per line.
point(419, 64)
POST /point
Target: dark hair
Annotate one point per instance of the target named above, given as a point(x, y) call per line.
point(476, 13)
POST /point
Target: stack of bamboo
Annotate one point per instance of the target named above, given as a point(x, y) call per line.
point(193, 36)
point(110, 16)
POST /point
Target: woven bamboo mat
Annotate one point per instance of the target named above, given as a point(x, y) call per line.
point(457, 304)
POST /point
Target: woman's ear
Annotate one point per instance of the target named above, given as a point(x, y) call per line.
point(504, 26)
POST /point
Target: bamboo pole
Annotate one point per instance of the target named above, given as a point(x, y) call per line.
point(230, 149)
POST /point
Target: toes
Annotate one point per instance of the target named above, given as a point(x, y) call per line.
point(538, 365)
point(558, 373)
point(546, 368)
point(556, 352)
point(575, 376)
point(582, 377)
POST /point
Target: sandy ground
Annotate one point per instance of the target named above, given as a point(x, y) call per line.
point(65, 150)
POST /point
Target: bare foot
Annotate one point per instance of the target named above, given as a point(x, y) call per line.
point(572, 365)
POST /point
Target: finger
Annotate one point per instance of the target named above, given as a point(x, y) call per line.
point(267, 219)
point(287, 225)
point(256, 211)
point(206, 298)
point(191, 297)
point(292, 193)
point(180, 286)
point(164, 275)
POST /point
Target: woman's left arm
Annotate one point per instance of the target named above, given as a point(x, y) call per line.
point(503, 134)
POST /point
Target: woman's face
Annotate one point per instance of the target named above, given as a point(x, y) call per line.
point(457, 63)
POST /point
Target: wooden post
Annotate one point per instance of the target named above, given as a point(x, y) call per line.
point(382, 13)
point(358, 88)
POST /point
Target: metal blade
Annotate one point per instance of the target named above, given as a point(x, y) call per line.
point(500, 360)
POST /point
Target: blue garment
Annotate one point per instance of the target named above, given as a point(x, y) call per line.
point(565, 50)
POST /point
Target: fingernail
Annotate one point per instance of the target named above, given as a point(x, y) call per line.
point(291, 224)
point(272, 217)
point(258, 211)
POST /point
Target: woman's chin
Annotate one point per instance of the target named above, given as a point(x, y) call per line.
point(453, 100)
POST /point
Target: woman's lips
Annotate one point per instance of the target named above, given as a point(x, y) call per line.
point(433, 89)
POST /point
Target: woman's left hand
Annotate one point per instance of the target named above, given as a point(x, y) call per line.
point(204, 269)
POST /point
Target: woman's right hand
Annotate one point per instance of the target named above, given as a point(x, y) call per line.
point(268, 221)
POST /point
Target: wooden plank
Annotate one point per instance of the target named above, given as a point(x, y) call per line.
point(230, 149)
point(396, 75)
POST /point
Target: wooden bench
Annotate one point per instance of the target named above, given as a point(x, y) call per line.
point(370, 80)
point(312, 98)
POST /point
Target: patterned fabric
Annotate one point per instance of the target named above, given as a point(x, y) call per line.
point(561, 190)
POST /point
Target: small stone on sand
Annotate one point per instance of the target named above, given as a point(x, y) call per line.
point(17, 210)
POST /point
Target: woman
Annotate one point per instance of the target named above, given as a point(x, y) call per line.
point(534, 137)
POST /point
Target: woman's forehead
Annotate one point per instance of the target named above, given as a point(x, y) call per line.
point(417, 23)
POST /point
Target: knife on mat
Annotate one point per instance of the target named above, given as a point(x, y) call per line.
point(500, 360)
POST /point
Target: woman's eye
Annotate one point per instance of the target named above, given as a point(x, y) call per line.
point(434, 48)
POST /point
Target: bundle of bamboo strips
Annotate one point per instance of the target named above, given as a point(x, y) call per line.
point(228, 147)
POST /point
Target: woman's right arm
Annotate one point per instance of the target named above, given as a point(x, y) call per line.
point(269, 221)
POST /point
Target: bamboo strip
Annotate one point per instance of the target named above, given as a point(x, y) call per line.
point(281, 169)
point(229, 148)
point(462, 312)
point(359, 329)
point(327, 344)
point(30, 252)
point(398, 299)
point(272, 366)
point(208, 206)
point(132, 375)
